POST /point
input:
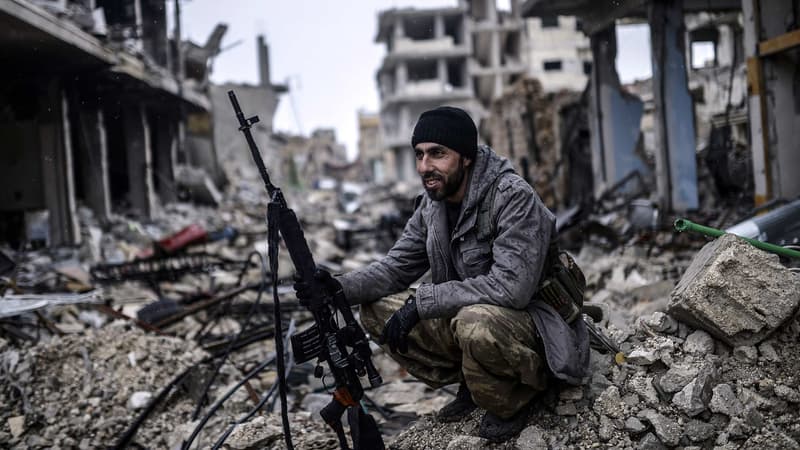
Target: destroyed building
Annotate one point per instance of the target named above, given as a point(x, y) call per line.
point(691, 98)
point(120, 119)
point(158, 330)
point(558, 52)
point(461, 56)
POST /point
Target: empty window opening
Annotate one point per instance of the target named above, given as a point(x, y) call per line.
point(454, 27)
point(455, 74)
point(552, 66)
point(422, 70)
point(587, 67)
point(511, 48)
point(419, 28)
point(703, 49)
point(549, 21)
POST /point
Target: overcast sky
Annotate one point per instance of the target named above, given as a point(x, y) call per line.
point(325, 51)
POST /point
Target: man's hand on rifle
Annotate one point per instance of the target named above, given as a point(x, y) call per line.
point(305, 291)
point(395, 332)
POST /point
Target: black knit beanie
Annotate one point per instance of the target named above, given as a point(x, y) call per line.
point(448, 126)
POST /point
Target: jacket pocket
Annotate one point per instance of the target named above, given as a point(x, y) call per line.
point(477, 258)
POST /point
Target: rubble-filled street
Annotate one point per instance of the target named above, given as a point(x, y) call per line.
point(154, 292)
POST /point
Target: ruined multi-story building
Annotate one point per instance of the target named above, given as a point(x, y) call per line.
point(100, 105)
point(558, 53)
point(460, 56)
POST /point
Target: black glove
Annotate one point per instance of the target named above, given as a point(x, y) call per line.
point(396, 330)
point(305, 291)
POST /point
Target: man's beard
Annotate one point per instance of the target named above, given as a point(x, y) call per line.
point(450, 185)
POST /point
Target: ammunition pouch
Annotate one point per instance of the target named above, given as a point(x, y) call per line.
point(562, 285)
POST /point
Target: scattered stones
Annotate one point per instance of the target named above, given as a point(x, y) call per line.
point(566, 409)
point(256, 434)
point(642, 357)
point(746, 353)
point(606, 430)
point(643, 386)
point(467, 443)
point(634, 425)
point(532, 438)
point(768, 352)
point(650, 442)
point(609, 403)
point(667, 430)
point(139, 400)
point(786, 393)
point(16, 425)
point(677, 377)
point(699, 343)
point(698, 431)
point(661, 323)
point(724, 401)
point(694, 397)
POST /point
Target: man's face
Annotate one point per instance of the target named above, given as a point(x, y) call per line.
point(443, 171)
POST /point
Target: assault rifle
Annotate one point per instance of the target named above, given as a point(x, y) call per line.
point(324, 340)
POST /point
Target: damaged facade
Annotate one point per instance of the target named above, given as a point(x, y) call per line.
point(692, 104)
point(119, 119)
point(461, 56)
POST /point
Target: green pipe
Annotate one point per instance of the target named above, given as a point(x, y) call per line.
point(688, 225)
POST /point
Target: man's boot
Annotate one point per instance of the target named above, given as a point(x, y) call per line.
point(495, 429)
point(458, 408)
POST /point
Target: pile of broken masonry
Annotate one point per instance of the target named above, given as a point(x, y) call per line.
point(710, 359)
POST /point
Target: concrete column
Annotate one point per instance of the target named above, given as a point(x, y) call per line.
point(491, 11)
point(676, 171)
point(165, 148)
point(95, 158)
point(494, 60)
point(468, 83)
point(399, 29)
point(401, 77)
point(57, 174)
point(615, 117)
point(441, 72)
point(138, 151)
point(438, 26)
point(264, 76)
point(759, 146)
point(466, 32)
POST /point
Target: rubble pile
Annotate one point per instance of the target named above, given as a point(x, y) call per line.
point(710, 339)
point(84, 390)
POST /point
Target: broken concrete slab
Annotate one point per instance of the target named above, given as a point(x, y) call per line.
point(736, 292)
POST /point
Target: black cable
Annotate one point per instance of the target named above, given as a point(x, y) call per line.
point(264, 399)
point(273, 210)
point(134, 427)
point(213, 409)
point(250, 314)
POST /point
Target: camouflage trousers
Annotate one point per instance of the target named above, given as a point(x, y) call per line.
point(495, 350)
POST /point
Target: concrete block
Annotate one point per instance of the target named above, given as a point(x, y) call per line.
point(736, 292)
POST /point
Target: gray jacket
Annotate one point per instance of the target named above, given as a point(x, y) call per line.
point(503, 270)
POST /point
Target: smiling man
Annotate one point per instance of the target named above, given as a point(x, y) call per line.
point(484, 235)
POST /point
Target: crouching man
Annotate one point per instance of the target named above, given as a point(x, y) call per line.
point(484, 234)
